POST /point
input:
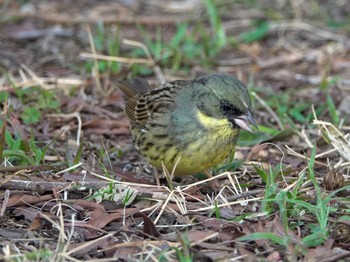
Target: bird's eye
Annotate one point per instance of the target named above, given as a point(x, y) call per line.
point(228, 108)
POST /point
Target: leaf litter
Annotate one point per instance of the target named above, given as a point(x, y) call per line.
point(106, 205)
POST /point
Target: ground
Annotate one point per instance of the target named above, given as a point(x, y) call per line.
point(72, 186)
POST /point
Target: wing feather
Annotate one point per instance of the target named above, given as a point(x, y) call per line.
point(144, 104)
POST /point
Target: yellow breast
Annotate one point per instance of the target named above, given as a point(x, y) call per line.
point(206, 148)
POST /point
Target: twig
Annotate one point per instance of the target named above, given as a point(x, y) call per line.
point(119, 59)
point(269, 109)
point(47, 186)
point(336, 257)
point(5, 202)
point(111, 19)
point(28, 168)
point(299, 25)
point(315, 80)
point(245, 194)
point(72, 115)
point(156, 68)
point(280, 60)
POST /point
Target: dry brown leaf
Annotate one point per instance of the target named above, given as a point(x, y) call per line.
point(198, 235)
point(89, 246)
point(37, 223)
point(23, 199)
point(148, 228)
point(29, 213)
point(320, 252)
point(276, 227)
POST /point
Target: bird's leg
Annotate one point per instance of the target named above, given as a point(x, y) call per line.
point(207, 174)
point(157, 177)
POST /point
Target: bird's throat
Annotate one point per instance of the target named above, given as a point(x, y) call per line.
point(209, 122)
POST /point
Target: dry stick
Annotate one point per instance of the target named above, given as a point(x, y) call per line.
point(21, 172)
point(171, 193)
point(306, 138)
point(280, 60)
point(223, 205)
point(294, 153)
point(180, 204)
point(5, 202)
point(233, 183)
point(87, 244)
point(37, 79)
point(72, 115)
point(47, 186)
point(128, 183)
point(205, 181)
point(148, 61)
point(234, 62)
point(50, 83)
point(116, 58)
point(111, 19)
point(156, 68)
point(315, 80)
point(336, 257)
point(298, 25)
point(338, 140)
point(245, 194)
point(269, 109)
point(69, 168)
point(33, 34)
point(4, 169)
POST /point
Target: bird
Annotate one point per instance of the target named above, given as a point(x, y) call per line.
point(187, 126)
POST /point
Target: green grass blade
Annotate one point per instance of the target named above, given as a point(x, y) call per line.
point(261, 236)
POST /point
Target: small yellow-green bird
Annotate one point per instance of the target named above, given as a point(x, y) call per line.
point(193, 124)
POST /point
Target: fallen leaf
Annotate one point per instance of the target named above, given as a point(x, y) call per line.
point(23, 199)
point(148, 228)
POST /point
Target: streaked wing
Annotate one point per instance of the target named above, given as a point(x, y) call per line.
point(140, 110)
point(133, 89)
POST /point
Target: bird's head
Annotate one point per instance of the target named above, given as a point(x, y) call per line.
point(223, 99)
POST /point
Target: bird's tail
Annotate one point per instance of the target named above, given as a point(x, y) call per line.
point(134, 87)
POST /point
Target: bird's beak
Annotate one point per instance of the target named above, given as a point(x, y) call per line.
point(247, 122)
